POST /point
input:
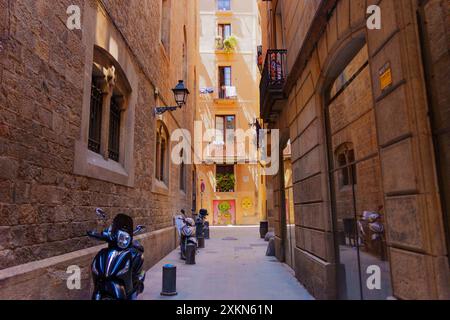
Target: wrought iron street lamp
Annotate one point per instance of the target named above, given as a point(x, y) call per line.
point(180, 93)
point(257, 126)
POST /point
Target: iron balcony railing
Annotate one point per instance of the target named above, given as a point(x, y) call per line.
point(220, 92)
point(273, 79)
point(275, 68)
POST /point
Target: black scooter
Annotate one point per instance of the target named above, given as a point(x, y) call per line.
point(117, 270)
point(187, 233)
point(200, 223)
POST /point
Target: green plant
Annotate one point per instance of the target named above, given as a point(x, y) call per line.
point(225, 182)
point(230, 44)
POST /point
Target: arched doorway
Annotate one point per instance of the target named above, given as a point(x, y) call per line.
point(355, 177)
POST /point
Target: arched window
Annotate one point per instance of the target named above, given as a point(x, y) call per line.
point(182, 172)
point(104, 149)
point(165, 24)
point(109, 92)
point(162, 156)
point(345, 158)
point(185, 56)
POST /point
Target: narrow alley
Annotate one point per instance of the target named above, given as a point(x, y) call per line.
point(233, 265)
point(324, 124)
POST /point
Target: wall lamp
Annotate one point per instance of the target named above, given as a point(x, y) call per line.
point(180, 94)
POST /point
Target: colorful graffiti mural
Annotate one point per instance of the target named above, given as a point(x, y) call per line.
point(224, 212)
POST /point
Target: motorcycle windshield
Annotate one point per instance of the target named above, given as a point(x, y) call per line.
point(179, 223)
point(124, 223)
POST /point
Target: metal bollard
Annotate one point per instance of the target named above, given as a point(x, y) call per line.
point(206, 230)
point(190, 253)
point(201, 242)
point(169, 278)
point(263, 228)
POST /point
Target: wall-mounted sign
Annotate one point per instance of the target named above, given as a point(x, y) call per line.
point(385, 75)
point(206, 90)
point(202, 187)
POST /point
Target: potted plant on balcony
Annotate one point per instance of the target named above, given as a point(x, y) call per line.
point(219, 43)
point(225, 182)
point(230, 44)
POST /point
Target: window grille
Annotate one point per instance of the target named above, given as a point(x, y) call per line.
point(95, 118)
point(114, 130)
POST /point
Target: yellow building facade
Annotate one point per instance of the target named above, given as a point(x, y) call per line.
point(229, 186)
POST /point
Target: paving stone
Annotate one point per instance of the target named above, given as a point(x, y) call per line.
point(224, 273)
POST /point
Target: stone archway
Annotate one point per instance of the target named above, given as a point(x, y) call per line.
point(354, 172)
point(407, 170)
point(403, 145)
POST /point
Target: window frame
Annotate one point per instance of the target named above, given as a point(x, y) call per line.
point(86, 162)
point(95, 117)
point(162, 148)
point(345, 158)
point(115, 123)
point(221, 27)
point(165, 18)
point(182, 174)
point(222, 75)
point(224, 130)
point(223, 9)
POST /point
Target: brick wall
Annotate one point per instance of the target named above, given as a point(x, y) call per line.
point(45, 209)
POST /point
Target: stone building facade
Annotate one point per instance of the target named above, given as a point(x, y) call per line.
point(228, 101)
point(365, 112)
point(78, 131)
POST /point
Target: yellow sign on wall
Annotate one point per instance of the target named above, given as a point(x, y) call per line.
point(385, 74)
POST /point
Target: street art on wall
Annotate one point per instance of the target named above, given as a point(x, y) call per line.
point(247, 203)
point(224, 212)
point(247, 207)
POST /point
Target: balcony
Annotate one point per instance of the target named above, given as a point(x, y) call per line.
point(220, 95)
point(226, 45)
point(273, 79)
point(226, 95)
point(220, 153)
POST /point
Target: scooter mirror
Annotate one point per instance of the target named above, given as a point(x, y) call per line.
point(100, 213)
point(138, 229)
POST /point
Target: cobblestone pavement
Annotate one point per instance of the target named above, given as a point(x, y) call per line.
point(232, 266)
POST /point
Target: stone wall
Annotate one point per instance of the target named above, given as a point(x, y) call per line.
point(47, 279)
point(45, 209)
point(408, 171)
point(435, 18)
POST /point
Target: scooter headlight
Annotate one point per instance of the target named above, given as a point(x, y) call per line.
point(123, 239)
